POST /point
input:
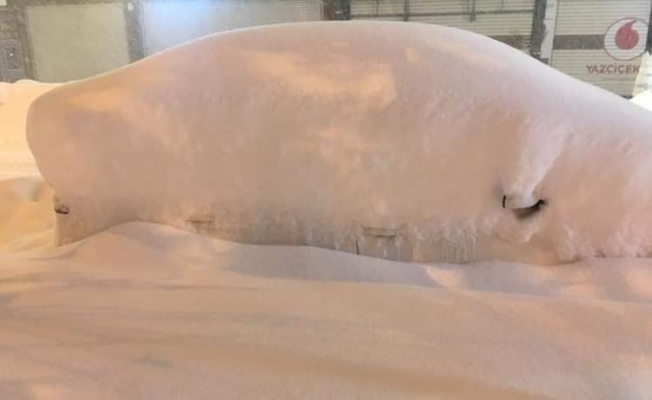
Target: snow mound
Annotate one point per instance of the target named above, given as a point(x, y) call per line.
point(26, 219)
point(15, 99)
point(355, 136)
point(150, 312)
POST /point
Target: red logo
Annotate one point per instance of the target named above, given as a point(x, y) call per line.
point(625, 39)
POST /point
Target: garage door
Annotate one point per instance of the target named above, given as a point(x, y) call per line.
point(509, 21)
point(74, 41)
point(167, 23)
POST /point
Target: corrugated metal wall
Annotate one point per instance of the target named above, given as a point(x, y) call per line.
point(595, 16)
point(586, 48)
point(582, 38)
point(583, 45)
point(12, 59)
point(507, 20)
point(74, 41)
point(360, 8)
point(167, 23)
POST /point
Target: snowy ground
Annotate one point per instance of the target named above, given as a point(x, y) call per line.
point(145, 311)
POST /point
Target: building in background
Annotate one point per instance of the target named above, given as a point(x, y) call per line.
point(14, 45)
point(601, 41)
point(598, 41)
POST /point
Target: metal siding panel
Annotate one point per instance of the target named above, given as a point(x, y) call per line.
point(486, 24)
point(168, 23)
point(444, 6)
point(508, 24)
point(595, 16)
point(8, 26)
point(12, 66)
point(394, 19)
point(574, 63)
point(463, 6)
point(588, 20)
point(501, 5)
point(372, 7)
point(75, 41)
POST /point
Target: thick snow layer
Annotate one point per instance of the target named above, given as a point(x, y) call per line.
point(149, 312)
point(357, 136)
point(26, 217)
point(15, 98)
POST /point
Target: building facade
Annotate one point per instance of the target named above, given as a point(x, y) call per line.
point(598, 41)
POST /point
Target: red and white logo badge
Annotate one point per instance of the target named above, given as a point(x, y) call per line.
point(625, 39)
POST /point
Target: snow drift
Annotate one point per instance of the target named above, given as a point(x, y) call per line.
point(26, 219)
point(353, 136)
point(15, 98)
point(143, 311)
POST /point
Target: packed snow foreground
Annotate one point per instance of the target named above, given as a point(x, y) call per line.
point(404, 141)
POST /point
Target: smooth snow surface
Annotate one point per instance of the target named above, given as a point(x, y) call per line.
point(149, 312)
point(26, 216)
point(358, 137)
point(145, 311)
